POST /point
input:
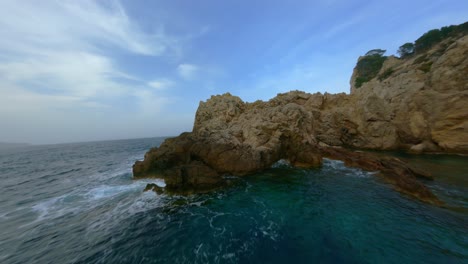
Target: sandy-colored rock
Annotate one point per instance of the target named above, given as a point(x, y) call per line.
point(412, 106)
point(411, 109)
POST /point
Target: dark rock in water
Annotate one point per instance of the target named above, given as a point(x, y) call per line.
point(153, 187)
point(393, 170)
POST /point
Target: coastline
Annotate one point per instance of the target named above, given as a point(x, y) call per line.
point(407, 108)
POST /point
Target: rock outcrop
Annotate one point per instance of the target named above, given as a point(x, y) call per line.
point(236, 138)
point(414, 108)
point(421, 106)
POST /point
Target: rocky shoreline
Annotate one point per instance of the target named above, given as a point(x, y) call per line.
point(413, 109)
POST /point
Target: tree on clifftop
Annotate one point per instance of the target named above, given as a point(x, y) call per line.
point(406, 49)
point(369, 66)
point(427, 40)
point(378, 52)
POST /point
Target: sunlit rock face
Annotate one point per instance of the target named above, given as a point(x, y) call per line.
point(231, 137)
point(422, 106)
point(413, 108)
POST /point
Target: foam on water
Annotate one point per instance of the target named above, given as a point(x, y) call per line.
point(282, 163)
point(337, 166)
point(79, 200)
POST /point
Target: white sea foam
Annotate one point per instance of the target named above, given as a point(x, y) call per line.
point(87, 199)
point(198, 249)
point(335, 164)
point(229, 255)
point(123, 210)
point(53, 207)
point(108, 191)
point(281, 164)
point(338, 166)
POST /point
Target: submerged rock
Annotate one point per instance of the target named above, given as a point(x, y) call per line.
point(393, 170)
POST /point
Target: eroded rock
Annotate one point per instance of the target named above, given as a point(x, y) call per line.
point(409, 110)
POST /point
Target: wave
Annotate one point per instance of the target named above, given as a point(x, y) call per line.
point(88, 199)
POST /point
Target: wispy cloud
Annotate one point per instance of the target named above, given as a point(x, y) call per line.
point(57, 55)
point(59, 47)
point(187, 71)
point(75, 24)
point(161, 84)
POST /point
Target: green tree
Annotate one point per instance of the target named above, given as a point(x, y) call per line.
point(369, 66)
point(373, 52)
point(427, 40)
point(406, 49)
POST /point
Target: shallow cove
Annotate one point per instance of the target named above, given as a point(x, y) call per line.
point(77, 203)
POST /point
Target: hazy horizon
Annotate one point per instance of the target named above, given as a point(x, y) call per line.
point(80, 71)
point(21, 144)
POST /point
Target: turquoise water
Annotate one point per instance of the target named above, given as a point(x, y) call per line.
point(77, 203)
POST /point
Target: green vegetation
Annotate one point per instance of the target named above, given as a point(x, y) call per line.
point(387, 73)
point(431, 38)
point(379, 52)
point(369, 66)
point(426, 67)
point(421, 59)
point(406, 50)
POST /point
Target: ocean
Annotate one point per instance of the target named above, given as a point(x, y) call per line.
point(78, 203)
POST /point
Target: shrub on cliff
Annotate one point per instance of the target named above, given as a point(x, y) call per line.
point(431, 38)
point(378, 52)
point(387, 73)
point(369, 66)
point(406, 50)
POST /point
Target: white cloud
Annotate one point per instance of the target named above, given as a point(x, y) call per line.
point(56, 66)
point(57, 47)
point(80, 74)
point(187, 71)
point(161, 84)
point(71, 24)
point(113, 25)
point(150, 104)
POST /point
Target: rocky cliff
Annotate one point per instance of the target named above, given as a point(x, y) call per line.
point(417, 104)
point(421, 104)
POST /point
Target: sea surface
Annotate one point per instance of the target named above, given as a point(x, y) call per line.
point(78, 203)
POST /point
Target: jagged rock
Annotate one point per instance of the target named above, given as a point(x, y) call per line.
point(153, 187)
point(410, 109)
point(236, 138)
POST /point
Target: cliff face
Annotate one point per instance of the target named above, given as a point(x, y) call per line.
point(420, 105)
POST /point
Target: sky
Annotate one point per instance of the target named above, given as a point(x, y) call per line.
point(79, 70)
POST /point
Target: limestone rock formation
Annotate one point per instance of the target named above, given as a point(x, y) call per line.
point(231, 137)
point(416, 107)
point(236, 138)
point(422, 106)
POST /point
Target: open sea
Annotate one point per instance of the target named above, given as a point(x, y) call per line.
point(78, 203)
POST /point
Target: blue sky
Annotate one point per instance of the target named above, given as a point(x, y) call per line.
point(92, 70)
